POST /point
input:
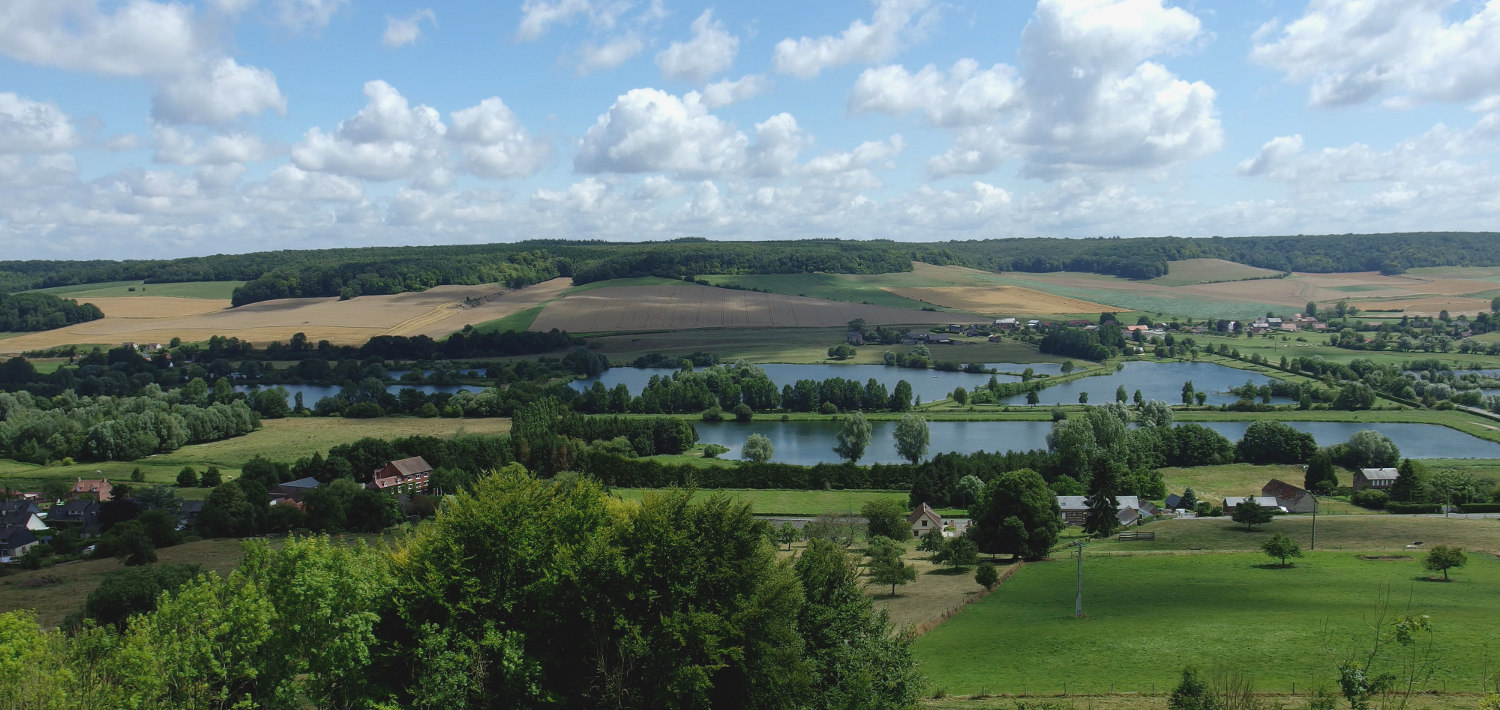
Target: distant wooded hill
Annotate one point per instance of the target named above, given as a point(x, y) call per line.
point(384, 270)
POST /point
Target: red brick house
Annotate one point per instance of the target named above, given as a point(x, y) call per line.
point(98, 490)
point(406, 476)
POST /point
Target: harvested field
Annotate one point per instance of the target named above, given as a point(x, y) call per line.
point(157, 306)
point(1000, 299)
point(689, 306)
point(435, 312)
point(211, 290)
point(1430, 306)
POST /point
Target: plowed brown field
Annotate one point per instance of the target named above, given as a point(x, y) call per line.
point(435, 312)
point(999, 299)
point(688, 306)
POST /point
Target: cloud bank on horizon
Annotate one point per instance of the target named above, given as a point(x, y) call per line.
point(157, 128)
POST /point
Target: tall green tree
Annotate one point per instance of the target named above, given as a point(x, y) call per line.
point(758, 448)
point(1409, 486)
point(1187, 392)
point(1102, 517)
point(1321, 476)
point(1017, 515)
point(912, 438)
point(1281, 547)
point(886, 518)
point(1251, 513)
point(853, 437)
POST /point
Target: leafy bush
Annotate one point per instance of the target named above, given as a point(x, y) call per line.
point(1412, 508)
point(1372, 499)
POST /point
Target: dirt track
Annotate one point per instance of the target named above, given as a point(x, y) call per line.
point(687, 306)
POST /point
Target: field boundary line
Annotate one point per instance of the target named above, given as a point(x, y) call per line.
point(953, 610)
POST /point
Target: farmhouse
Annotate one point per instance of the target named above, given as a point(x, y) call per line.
point(29, 519)
point(1289, 497)
point(1262, 501)
point(1076, 508)
point(1377, 478)
point(1006, 323)
point(410, 475)
point(98, 490)
point(922, 519)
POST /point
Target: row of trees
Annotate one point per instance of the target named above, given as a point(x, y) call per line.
point(677, 604)
point(729, 386)
point(40, 429)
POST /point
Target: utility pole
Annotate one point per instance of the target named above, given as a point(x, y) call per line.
point(1078, 603)
point(1314, 544)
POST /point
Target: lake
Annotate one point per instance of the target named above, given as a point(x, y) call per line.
point(312, 393)
point(930, 385)
point(812, 442)
point(1155, 380)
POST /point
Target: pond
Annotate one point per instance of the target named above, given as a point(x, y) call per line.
point(930, 385)
point(1155, 380)
point(812, 442)
point(312, 393)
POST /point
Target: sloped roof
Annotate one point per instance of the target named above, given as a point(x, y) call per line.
point(1081, 502)
point(1374, 474)
point(923, 510)
point(411, 466)
point(16, 535)
point(308, 482)
point(1281, 490)
point(1263, 501)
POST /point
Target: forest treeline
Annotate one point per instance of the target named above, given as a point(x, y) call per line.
point(42, 311)
point(384, 270)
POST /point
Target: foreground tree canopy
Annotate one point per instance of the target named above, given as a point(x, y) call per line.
point(520, 593)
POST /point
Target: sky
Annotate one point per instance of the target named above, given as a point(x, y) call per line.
point(152, 129)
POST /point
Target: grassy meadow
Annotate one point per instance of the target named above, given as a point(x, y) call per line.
point(216, 290)
point(798, 345)
point(520, 320)
point(1149, 616)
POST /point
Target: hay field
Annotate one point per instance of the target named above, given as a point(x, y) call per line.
point(1000, 299)
point(435, 312)
point(689, 306)
point(211, 290)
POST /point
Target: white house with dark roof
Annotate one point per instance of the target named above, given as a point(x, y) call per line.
point(1076, 508)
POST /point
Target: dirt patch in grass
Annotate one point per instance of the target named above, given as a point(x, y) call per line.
point(689, 307)
point(999, 299)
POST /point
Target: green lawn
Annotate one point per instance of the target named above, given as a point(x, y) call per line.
point(520, 320)
point(1149, 616)
point(218, 290)
point(1349, 533)
point(1316, 346)
point(1195, 271)
point(783, 502)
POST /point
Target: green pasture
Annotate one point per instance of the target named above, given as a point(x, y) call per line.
point(787, 502)
point(1149, 616)
point(217, 290)
point(1316, 346)
point(1386, 534)
point(520, 320)
point(1166, 303)
point(1196, 271)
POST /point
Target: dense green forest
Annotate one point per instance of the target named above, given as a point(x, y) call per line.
point(43, 311)
point(382, 270)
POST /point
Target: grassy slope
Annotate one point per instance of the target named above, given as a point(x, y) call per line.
point(121, 289)
point(278, 439)
point(520, 320)
point(837, 287)
point(619, 283)
point(1194, 271)
point(1316, 346)
point(1150, 616)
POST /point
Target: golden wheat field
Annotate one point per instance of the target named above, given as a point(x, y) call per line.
point(687, 306)
point(998, 300)
point(435, 312)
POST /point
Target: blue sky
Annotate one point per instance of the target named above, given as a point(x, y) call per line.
point(159, 129)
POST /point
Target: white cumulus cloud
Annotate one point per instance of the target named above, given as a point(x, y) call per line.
point(306, 15)
point(1410, 51)
point(494, 143)
point(538, 16)
point(649, 130)
point(726, 92)
point(223, 91)
point(180, 148)
point(963, 96)
point(401, 31)
point(710, 51)
point(387, 140)
point(862, 42)
point(28, 126)
point(617, 51)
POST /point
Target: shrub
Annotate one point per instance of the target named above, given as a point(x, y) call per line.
point(1412, 508)
point(743, 412)
point(1372, 499)
point(713, 414)
point(364, 410)
point(986, 576)
point(829, 408)
point(712, 451)
point(1480, 507)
